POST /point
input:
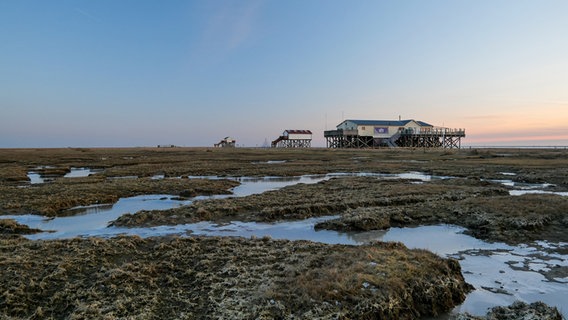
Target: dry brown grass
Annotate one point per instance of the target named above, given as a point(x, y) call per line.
point(335, 196)
point(52, 199)
point(515, 219)
point(251, 162)
point(11, 227)
point(529, 165)
point(212, 278)
point(381, 281)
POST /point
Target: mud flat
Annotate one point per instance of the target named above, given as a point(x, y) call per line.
point(212, 277)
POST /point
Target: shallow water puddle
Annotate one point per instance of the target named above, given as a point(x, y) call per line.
point(93, 220)
point(270, 162)
point(36, 177)
point(81, 172)
point(500, 273)
point(521, 192)
point(521, 188)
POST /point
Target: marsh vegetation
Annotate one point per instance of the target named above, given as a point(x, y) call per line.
point(212, 277)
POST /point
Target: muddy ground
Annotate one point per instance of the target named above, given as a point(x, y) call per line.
point(262, 278)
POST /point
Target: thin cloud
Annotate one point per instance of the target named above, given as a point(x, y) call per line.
point(88, 15)
point(231, 25)
point(532, 101)
point(485, 117)
point(489, 135)
point(243, 25)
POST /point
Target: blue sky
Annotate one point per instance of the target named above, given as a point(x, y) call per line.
point(142, 73)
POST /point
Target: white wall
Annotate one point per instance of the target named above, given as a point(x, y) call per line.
point(296, 136)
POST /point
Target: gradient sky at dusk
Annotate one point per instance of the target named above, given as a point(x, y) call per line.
point(141, 73)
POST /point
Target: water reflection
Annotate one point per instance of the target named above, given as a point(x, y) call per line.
point(93, 221)
point(37, 177)
point(269, 162)
point(81, 172)
point(522, 192)
point(523, 185)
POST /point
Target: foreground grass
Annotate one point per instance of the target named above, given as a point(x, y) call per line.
point(228, 278)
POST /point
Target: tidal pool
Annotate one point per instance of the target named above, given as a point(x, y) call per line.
point(81, 172)
point(36, 177)
point(500, 273)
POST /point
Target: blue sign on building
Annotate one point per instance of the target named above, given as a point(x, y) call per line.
point(381, 130)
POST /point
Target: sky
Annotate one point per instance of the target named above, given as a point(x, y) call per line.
point(110, 73)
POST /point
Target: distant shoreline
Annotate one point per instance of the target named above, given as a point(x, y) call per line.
point(514, 147)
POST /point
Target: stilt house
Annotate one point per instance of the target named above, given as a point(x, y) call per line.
point(392, 133)
point(293, 139)
point(226, 142)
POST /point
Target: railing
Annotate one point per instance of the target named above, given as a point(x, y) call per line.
point(275, 142)
point(340, 132)
point(404, 131)
point(434, 131)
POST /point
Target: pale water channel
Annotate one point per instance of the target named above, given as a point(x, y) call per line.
point(500, 273)
point(35, 177)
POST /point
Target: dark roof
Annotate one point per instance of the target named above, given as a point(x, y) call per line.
point(391, 123)
point(298, 131)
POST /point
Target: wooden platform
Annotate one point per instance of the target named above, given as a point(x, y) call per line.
point(285, 142)
point(432, 138)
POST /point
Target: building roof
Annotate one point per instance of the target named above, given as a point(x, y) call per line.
point(390, 123)
point(298, 131)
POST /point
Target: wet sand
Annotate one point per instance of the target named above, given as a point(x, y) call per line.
point(486, 208)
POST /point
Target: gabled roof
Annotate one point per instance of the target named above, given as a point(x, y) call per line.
point(424, 124)
point(389, 123)
point(298, 131)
